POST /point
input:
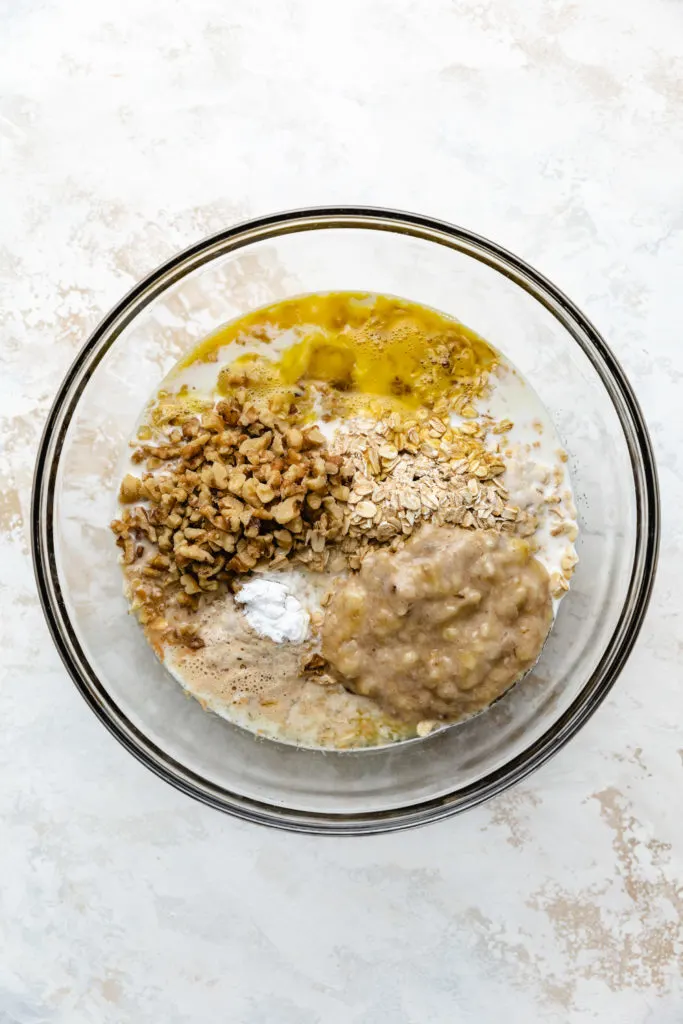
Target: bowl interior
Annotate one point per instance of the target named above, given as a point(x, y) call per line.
point(81, 463)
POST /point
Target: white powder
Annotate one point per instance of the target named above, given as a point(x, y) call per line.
point(273, 611)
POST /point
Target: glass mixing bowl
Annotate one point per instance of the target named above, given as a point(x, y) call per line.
point(264, 261)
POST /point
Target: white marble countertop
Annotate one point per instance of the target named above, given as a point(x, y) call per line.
point(129, 130)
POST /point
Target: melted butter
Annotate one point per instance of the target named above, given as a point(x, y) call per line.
point(358, 344)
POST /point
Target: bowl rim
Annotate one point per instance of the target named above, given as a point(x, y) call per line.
point(42, 518)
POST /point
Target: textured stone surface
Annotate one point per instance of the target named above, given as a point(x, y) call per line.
point(130, 130)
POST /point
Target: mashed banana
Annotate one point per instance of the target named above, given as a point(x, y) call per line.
point(441, 628)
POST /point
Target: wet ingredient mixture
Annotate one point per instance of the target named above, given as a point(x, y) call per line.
point(317, 453)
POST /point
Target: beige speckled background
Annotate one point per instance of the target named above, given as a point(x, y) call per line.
point(128, 130)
